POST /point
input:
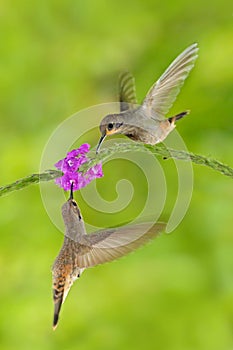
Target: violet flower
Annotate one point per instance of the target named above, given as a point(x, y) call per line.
point(70, 165)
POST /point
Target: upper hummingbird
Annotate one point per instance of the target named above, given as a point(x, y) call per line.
point(146, 122)
point(81, 250)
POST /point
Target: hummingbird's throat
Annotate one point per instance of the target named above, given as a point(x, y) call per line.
point(110, 132)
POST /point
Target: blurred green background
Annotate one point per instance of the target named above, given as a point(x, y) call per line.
point(58, 57)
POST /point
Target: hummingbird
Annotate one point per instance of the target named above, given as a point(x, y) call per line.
point(146, 123)
point(81, 250)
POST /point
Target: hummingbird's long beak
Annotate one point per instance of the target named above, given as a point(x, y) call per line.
point(100, 142)
point(71, 191)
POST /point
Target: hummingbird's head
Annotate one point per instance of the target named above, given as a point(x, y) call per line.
point(110, 125)
point(73, 221)
point(70, 210)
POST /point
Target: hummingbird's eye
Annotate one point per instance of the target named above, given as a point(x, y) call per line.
point(110, 126)
point(74, 203)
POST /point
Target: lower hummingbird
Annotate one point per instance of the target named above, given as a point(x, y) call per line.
point(81, 250)
point(146, 123)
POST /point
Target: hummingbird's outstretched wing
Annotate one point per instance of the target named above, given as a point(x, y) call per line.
point(127, 91)
point(111, 244)
point(163, 93)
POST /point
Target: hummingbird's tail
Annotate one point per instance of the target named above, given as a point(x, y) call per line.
point(57, 307)
point(178, 116)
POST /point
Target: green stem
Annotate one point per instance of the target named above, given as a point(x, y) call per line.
point(106, 153)
point(29, 180)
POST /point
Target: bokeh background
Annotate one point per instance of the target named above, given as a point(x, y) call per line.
point(56, 58)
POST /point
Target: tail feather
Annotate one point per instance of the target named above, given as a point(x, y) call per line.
point(177, 116)
point(57, 309)
point(58, 299)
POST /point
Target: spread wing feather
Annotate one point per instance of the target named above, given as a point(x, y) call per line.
point(163, 93)
point(127, 91)
point(108, 245)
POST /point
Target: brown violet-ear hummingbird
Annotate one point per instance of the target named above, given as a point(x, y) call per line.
point(81, 250)
point(146, 123)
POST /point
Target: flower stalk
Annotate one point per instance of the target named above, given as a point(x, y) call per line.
point(106, 153)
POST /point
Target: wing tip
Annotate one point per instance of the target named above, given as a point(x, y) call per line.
point(194, 48)
point(157, 228)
